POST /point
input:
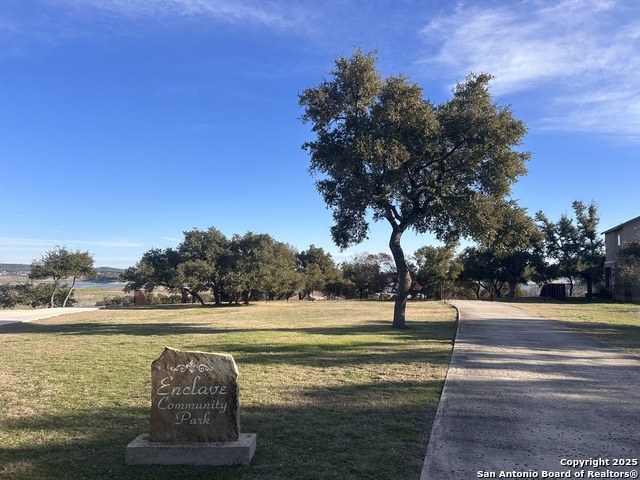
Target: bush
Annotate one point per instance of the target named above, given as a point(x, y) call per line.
point(163, 299)
point(9, 296)
point(115, 301)
point(33, 295)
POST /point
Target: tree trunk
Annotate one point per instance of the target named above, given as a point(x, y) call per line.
point(53, 295)
point(588, 280)
point(404, 279)
point(216, 293)
point(195, 295)
point(589, 288)
point(73, 284)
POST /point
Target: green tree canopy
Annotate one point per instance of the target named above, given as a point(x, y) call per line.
point(205, 260)
point(59, 264)
point(481, 272)
point(573, 246)
point(381, 149)
point(318, 269)
point(514, 248)
point(627, 268)
point(511, 255)
point(260, 264)
point(245, 267)
point(438, 268)
point(157, 268)
point(370, 273)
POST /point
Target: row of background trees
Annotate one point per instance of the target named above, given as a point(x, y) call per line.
point(207, 266)
point(255, 267)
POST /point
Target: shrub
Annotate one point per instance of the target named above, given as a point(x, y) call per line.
point(115, 301)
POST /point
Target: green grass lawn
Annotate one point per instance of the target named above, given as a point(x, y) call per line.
point(616, 323)
point(332, 391)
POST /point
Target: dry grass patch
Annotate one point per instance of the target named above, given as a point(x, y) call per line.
point(332, 391)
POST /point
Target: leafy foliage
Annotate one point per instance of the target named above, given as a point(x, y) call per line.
point(318, 270)
point(508, 257)
point(628, 263)
point(59, 264)
point(382, 149)
point(244, 268)
point(573, 245)
point(437, 269)
point(260, 264)
point(35, 295)
point(9, 296)
point(370, 273)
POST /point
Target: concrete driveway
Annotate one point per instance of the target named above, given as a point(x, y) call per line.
point(17, 316)
point(530, 395)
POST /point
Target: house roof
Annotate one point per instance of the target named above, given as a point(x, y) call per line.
point(618, 227)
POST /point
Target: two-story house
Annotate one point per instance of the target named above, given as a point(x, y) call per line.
point(613, 240)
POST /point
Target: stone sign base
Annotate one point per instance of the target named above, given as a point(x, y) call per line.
point(143, 452)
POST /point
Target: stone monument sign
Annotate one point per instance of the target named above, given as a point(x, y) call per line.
point(194, 413)
point(194, 397)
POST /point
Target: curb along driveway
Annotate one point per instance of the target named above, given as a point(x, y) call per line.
point(527, 397)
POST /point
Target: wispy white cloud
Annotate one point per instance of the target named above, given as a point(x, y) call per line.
point(268, 13)
point(582, 57)
point(56, 21)
point(18, 243)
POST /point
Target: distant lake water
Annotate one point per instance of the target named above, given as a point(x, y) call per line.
point(99, 285)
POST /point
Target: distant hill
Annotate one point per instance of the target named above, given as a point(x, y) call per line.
point(14, 268)
point(110, 270)
point(21, 269)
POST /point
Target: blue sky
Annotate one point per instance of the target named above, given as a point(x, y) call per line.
point(124, 123)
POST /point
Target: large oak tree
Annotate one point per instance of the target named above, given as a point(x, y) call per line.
point(383, 151)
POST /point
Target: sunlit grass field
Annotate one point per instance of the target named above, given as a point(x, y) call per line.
point(332, 391)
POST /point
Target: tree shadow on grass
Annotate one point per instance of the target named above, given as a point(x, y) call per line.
point(429, 342)
point(327, 356)
point(93, 446)
point(436, 330)
point(342, 433)
point(135, 329)
point(178, 306)
point(432, 330)
point(315, 346)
